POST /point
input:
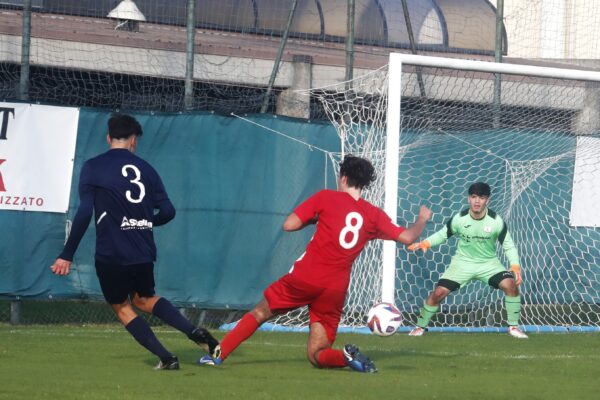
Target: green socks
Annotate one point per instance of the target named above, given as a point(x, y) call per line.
point(512, 304)
point(426, 313)
point(513, 309)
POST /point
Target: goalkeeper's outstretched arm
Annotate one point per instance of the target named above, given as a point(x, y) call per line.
point(436, 239)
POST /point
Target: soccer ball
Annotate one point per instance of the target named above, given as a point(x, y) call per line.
point(384, 319)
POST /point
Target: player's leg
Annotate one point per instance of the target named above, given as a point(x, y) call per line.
point(458, 274)
point(145, 299)
point(319, 351)
point(143, 334)
point(505, 281)
point(322, 355)
point(115, 282)
point(164, 309)
point(432, 304)
point(245, 328)
point(283, 295)
point(324, 313)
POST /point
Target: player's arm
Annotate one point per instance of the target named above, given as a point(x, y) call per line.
point(166, 210)
point(84, 213)
point(294, 223)
point(510, 250)
point(437, 238)
point(307, 213)
point(412, 233)
point(387, 230)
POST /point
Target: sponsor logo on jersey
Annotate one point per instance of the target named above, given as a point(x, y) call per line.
point(132, 223)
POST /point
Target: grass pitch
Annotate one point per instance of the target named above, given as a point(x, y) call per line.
point(104, 362)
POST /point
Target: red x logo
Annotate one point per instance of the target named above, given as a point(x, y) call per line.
point(2, 188)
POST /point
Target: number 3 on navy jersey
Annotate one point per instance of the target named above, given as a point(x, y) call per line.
point(135, 181)
point(354, 221)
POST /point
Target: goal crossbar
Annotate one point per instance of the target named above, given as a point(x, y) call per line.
point(494, 67)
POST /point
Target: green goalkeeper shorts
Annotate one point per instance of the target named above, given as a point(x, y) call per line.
point(462, 271)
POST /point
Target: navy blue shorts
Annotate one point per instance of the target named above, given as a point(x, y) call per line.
point(119, 281)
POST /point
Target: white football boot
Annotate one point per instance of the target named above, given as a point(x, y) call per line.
point(417, 331)
point(514, 331)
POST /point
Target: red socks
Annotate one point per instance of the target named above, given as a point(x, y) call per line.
point(242, 331)
point(331, 358)
point(327, 358)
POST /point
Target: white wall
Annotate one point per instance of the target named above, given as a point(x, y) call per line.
point(553, 29)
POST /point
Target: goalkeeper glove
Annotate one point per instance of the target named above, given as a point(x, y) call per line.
point(516, 270)
point(424, 245)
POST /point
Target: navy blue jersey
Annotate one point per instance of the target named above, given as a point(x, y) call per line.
point(123, 191)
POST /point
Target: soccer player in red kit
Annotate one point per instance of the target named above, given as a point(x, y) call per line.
point(320, 277)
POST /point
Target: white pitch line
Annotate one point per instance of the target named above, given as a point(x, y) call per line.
point(86, 332)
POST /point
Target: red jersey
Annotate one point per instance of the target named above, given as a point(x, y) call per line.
point(344, 227)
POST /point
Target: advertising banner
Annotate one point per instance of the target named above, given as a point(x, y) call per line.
point(586, 183)
point(37, 148)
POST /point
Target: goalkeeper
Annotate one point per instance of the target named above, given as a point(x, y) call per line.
point(478, 229)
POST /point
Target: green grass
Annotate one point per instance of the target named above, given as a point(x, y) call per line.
point(104, 362)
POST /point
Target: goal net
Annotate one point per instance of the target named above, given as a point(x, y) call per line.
point(532, 133)
point(357, 110)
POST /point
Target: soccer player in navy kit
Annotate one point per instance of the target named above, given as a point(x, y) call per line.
point(124, 191)
point(320, 277)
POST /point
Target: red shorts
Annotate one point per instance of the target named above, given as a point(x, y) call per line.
point(324, 305)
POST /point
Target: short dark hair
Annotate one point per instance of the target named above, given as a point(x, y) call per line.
point(359, 171)
point(480, 189)
point(123, 126)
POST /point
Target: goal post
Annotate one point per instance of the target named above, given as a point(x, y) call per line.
point(431, 126)
point(391, 175)
point(542, 160)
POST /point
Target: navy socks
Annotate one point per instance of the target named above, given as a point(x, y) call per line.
point(140, 330)
point(164, 310)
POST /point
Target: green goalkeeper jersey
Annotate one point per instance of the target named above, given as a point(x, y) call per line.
point(477, 237)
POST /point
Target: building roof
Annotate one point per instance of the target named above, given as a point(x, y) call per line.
point(463, 26)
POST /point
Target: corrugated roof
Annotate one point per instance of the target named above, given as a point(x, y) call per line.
point(438, 25)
